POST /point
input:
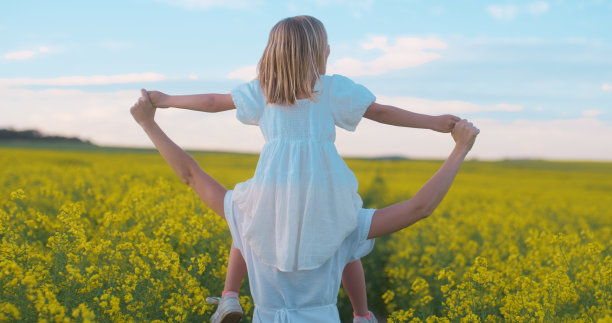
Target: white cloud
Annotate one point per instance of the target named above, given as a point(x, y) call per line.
point(581, 138)
point(538, 8)
point(443, 107)
point(569, 139)
point(502, 12)
point(606, 87)
point(193, 76)
point(26, 54)
point(69, 112)
point(509, 12)
point(84, 80)
point(406, 52)
point(104, 118)
point(246, 73)
point(591, 113)
point(208, 4)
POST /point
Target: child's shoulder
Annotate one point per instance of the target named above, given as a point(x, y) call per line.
point(335, 78)
point(339, 84)
point(337, 81)
point(251, 88)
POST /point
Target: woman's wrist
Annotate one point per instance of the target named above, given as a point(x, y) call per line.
point(160, 99)
point(147, 124)
point(432, 121)
point(461, 149)
point(165, 101)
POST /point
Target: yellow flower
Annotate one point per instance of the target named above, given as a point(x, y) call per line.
point(19, 194)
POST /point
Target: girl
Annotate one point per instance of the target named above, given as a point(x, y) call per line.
point(302, 203)
point(305, 295)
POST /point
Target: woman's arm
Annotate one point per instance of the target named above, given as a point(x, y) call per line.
point(401, 215)
point(198, 102)
point(207, 188)
point(394, 116)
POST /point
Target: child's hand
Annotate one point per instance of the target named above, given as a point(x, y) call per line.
point(464, 133)
point(143, 111)
point(445, 123)
point(158, 99)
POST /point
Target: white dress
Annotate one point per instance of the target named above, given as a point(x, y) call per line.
point(302, 201)
point(303, 296)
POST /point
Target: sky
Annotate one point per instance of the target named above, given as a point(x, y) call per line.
point(534, 76)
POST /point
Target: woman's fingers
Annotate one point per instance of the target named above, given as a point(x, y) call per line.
point(143, 110)
point(465, 133)
point(145, 98)
point(145, 95)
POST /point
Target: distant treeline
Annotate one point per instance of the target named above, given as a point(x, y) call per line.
point(10, 134)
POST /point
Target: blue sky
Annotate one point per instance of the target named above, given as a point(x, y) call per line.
point(535, 76)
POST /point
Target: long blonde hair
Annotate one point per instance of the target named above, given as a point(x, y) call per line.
point(293, 60)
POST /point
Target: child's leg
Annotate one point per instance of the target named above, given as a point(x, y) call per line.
point(236, 269)
point(353, 280)
point(229, 309)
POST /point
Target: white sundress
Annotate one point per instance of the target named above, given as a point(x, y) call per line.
point(302, 201)
point(303, 296)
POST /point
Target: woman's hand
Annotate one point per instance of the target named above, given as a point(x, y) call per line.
point(158, 99)
point(143, 111)
point(444, 123)
point(464, 133)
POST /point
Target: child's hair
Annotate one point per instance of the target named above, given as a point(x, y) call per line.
point(293, 60)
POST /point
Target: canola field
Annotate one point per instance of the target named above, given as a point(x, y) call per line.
point(112, 236)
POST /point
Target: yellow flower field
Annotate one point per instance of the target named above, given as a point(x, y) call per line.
point(114, 235)
point(513, 241)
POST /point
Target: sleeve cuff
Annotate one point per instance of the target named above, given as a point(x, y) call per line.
point(231, 220)
point(364, 245)
point(362, 106)
point(241, 107)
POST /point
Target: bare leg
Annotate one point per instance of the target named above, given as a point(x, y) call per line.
point(236, 269)
point(353, 280)
point(229, 309)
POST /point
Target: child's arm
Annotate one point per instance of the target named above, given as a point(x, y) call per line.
point(198, 102)
point(207, 188)
point(401, 215)
point(391, 115)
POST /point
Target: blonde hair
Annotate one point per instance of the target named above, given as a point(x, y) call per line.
point(293, 60)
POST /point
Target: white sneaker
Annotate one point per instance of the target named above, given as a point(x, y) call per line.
point(228, 310)
point(360, 319)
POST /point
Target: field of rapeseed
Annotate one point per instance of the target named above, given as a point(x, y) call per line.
point(115, 236)
point(512, 242)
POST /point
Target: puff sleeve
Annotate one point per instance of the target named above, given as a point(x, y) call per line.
point(349, 101)
point(249, 101)
point(363, 246)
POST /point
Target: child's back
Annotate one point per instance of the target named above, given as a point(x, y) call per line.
point(302, 201)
